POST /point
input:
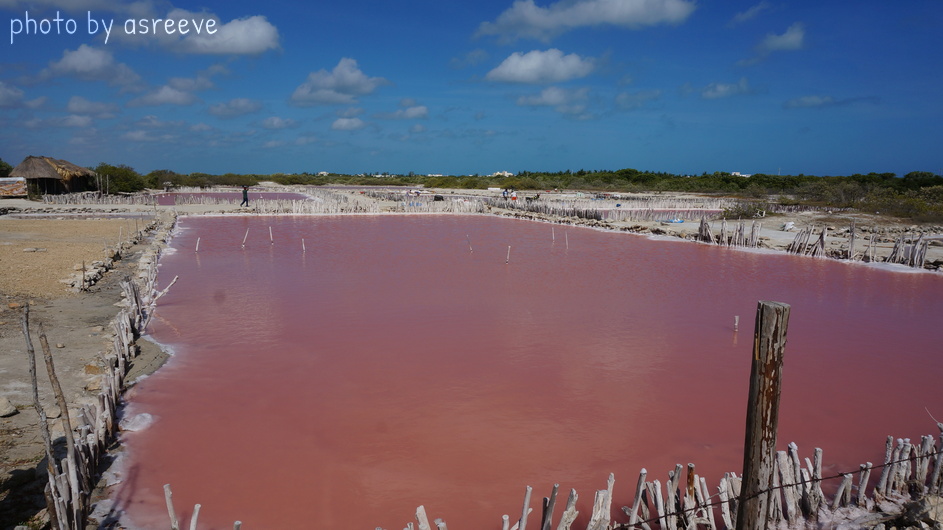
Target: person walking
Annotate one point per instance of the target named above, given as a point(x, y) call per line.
point(245, 196)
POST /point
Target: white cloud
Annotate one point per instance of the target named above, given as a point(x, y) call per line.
point(92, 64)
point(349, 112)
point(274, 122)
point(339, 86)
point(792, 39)
point(146, 136)
point(74, 120)
point(200, 127)
point(724, 90)
point(749, 14)
point(80, 105)
point(243, 36)
point(417, 128)
point(235, 107)
point(71, 120)
point(272, 143)
point(410, 113)
point(817, 102)
point(202, 81)
point(537, 66)
point(635, 100)
point(151, 121)
point(10, 96)
point(348, 124)
point(526, 19)
point(165, 95)
point(570, 102)
point(305, 140)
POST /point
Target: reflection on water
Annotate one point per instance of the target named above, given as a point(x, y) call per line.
point(399, 361)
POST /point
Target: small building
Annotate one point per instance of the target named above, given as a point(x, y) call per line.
point(50, 176)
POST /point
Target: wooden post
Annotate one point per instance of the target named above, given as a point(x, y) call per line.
point(58, 517)
point(759, 447)
point(168, 496)
point(549, 503)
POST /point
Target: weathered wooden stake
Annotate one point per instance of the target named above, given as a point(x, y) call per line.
point(270, 238)
point(303, 249)
point(57, 516)
point(759, 447)
point(197, 245)
point(508, 259)
point(736, 322)
point(168, 496)
point(244, 238)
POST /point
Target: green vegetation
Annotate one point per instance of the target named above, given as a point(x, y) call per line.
point(917, 195)
point(5, 169)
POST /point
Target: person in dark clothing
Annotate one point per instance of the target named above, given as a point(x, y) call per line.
point(245, 196)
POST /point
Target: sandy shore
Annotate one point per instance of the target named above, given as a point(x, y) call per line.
point(43, 245)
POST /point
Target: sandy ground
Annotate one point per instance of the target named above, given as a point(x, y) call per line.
point(40, 245)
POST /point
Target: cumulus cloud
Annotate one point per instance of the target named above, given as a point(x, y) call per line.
point(243, 36)
point(202, 81)
point(537, 66)
point(10, 96)
point(348, 124)
point(725, 90)
point(274, 122)
point(570, 102)
point(749, 14)
point(92, 64)
point(165, 95)
point(97, 109)
point(341, 85)
point(349, 112)
point(410, 112)
point(305, 140)
point(636, 100)
point(792, 39)
point(527, 20)
point(235, 107)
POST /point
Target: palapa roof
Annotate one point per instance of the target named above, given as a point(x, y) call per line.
point(44, 167)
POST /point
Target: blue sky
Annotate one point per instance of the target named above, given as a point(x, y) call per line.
point(822, 88)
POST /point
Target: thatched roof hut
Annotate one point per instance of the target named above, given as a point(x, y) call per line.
point(45, 175)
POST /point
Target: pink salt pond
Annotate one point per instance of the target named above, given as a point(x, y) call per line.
point(399, 361)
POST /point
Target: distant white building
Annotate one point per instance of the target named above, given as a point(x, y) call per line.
point(738, 174)
point(322, 173)
point(502, 174)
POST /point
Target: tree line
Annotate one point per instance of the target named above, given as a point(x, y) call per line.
point(918, 195)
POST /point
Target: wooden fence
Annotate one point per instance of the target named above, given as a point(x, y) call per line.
point(71, 479)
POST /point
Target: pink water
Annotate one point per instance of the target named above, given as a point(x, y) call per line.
point(391, 366)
